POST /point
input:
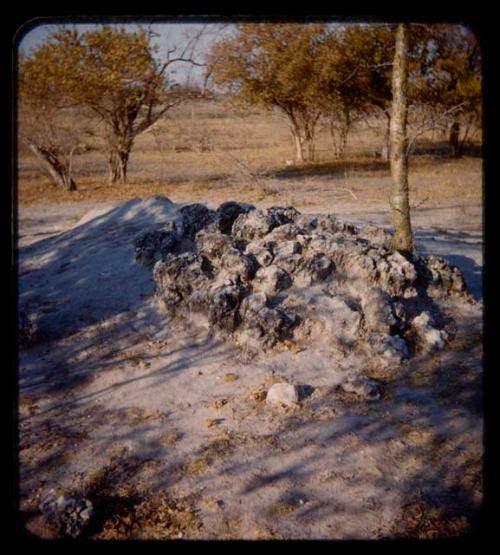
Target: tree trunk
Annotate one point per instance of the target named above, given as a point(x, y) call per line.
point(399, 200)
point(299, 145)
point(339, 137)
point(58, 171)
point(454, 145)
point(311, 153)
point(386, 147)
point(117, 164)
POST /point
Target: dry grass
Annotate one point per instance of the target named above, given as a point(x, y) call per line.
point(214, 153)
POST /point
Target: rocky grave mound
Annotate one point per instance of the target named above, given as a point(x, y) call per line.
point(264, 278)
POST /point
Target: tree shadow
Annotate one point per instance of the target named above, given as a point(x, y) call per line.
point(333, 169)
point(442, 149)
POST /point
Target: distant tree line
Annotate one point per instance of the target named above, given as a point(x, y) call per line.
point(342, 74)
point(337, 75)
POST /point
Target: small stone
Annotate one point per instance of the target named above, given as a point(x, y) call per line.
point(431, 338)
point(391, 347)
point(363, 387)
point(282, 394)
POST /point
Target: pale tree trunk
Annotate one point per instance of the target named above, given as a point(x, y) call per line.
point(339, 137)
point(117, 164)
point(386, 147)
point(299, 145)
point(58, 170)
point(399, 200)
point(303, 138)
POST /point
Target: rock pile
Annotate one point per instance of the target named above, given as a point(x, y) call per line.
point(261, 277)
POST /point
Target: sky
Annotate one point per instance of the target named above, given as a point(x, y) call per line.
point(169, 35)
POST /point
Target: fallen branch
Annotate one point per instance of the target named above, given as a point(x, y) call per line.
point(349, 191)
point(420, 203)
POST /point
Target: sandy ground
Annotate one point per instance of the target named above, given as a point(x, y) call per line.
point(126, 405)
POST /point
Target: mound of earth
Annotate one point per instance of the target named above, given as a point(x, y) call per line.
point(264, 278)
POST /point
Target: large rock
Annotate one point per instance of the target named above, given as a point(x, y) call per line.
point(271, 280)
point(441, 278)
point(315, 269)
point(393, 348)
point(234, 262)
point(192, 218)
point(227, 213)
point(179, 277)
point(151, 246)
point(332, 318)
point(262, 250)
point(263, 326)
point(71, 516)
point(377, 311)
point(430, 338)
point(376, 235)
point(223, 307)
point(213, 244)
point(258, 223)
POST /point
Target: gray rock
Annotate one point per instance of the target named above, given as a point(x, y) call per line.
point(285, 232)
point(263, 325)
point(234, 262)
point(316, 268)
point(440, 278)
point(283, 215)
point(285, 249)
point(213, 244)
point(291, 264)
point(227, 213)
point(271, 280)
point(282, 394)
point(225, 263)
point(363, 387)
point(376, 235)
point(262, 253)
point(254, 225)
point(223, 307)
point(71, 516)
point(430, 338)
point(331, 224)
point(377, 311)
point(192, 218)
point(333, 317)
point(153, 245)
point(179, 277)
point(392, 347)
point(258, 223)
